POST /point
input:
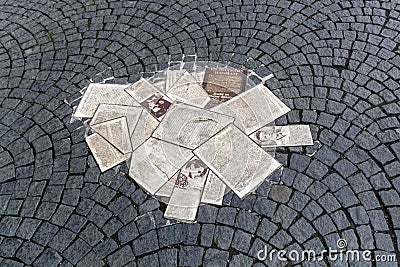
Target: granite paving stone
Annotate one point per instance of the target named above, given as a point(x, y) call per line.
point(207, 234)
point(241, 260)
point(149, 260)
point(340, 220)
point(170, 235)
point(9, 225)
point(121, 257)
point(49, 257)
point(190, 233)
point(168, 257)
point(90, 259)
point(9, 247)
point(215, 257)
point(76, 251)
point(28, 252)
point(145, 243)
point(223, 236)
point(128, 233)
point(241, 241)
point(301, 230)
point(247, 221)
point(190, 256)
point(105, 247)
point(91, 234)
point(280, 193)
point(324, 225)
point(27, 228)
point(285, 216)
point(280, 239)
point(45, 233)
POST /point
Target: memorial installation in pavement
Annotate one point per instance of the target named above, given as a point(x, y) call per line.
point(189, 133)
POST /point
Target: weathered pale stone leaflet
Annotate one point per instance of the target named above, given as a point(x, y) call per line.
point(181, 147)
point(166, 189)
point(106, 112)
point(214, 190)
point(213, 193)
point(172, 76)
point(290, 135)
point(97, 94)
point(155, 161)
point(116, 132)
point(238, 161)
point(105, 154)
point(190, 126)
point(187, 90)
point(253, 109)
point(186, 194)
point(149, 97)
point(144, 129)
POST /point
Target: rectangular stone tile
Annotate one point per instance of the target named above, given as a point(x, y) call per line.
point(290, 135)
point(187, 192)
point(190, 126)
point(199, 76)
point(143, 129)
point(149, 97)
point(106, 112)
point(253, 109)
point(158, 80)
point(166, 190)
point(155, 161)
point(171, 77)
point(188, 90)
point(105, 154)
point(97, 94)
point(116, 133)
point(214, 190)
point(237, 160)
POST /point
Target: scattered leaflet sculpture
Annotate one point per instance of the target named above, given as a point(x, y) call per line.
point(191, 137)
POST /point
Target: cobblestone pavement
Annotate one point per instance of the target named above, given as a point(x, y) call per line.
point(336, 64)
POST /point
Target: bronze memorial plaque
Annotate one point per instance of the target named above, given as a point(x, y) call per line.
point(222, 84)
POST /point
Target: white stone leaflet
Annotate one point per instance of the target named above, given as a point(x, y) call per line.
point(97, 94)
point(289, 135)
point(149, 97)
point(172, 76)
point(190, 126)
point(189, 91)
point(106, 112)
point(165, 191)
point(237, 160)
point(155, 161)
point(105, 154)
point(253, 109)
point(144, 129)
point(116, 132)
point(214, 190)
point(186, 195)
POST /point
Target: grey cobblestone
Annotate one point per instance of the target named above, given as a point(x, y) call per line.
point(145, 243)
point(168, 257)
point(241, 241)
point(215, 257)
point(121, 257)
point(190, 256)
point(223, 236)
